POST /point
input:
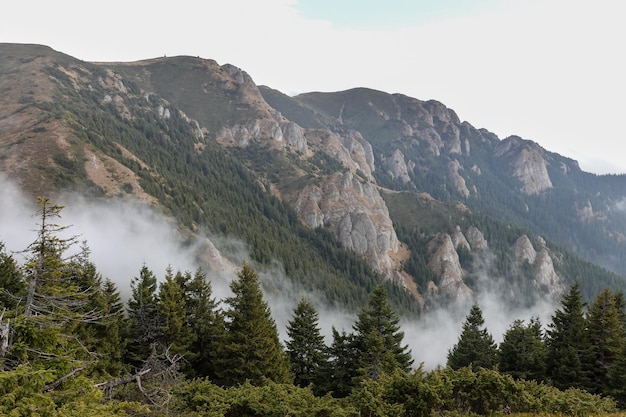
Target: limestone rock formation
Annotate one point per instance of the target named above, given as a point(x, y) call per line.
point(396, 166)
point(445, 264)
point(528, 164)
point(355, 212)
point(476, 239)
point(459, 182)
point(524, 251)
point(544, 274)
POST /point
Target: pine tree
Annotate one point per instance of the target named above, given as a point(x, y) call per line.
point(207, 323)
point(251, 350)
point(12, 284)
point(607, 339)
point(343, 369)
point(112, 330)
point(522, 353)
point(617, 373)
point(308, 355)
point(175, 332)
point(475, 346)
point(567, 343)
point(379, 339)
point(55, 302)
point(143, 322)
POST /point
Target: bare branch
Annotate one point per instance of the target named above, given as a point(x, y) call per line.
point(61, 380)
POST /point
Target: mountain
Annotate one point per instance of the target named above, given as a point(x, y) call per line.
point(341, 189)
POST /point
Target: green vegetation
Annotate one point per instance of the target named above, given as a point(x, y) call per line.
point(208, 188)
point(69, 347)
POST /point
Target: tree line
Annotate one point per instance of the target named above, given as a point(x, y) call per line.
point(70, 346)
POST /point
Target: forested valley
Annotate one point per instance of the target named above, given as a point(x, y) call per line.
point(70, 346)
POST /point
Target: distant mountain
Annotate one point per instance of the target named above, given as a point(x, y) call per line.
point(342, 189)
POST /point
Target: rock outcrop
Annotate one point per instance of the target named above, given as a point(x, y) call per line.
point(445, 264)
point(355, 212)
point(544, 275)
point(528, 164)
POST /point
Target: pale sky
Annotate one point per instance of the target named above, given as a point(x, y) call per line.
point(547, 70)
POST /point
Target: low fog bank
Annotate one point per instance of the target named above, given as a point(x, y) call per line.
point(436, 332)
point(123, 236)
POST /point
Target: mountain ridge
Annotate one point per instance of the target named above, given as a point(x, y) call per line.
point(333, 158)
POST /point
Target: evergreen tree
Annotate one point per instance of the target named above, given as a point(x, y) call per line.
point(475, 346)
point(12, 284)
point(522, 353)
point(112, 330)
point(143, 322)
point(207, 324)
point(617, 373)
point(175, 332)
point(343, 365)
point(567, 343)
point(308, 355)
point(379, 339)
point(55, 301)
point(251, 350)
point(607, 339)
point(102, 326)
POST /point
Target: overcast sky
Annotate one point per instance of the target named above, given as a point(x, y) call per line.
point(548, 70)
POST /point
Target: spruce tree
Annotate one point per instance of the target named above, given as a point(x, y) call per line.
point(379, 339)
point(207, 324)
point(12, 284)
point(475, 346)
point(617, 373)
point(144, 329)
point(343, 361)
point(567, 343)
point(308, 355)
point(112, 330)
point(607, 339)
point(251, 350)
point(522, 353)
point(55, 302)
point(175, 332)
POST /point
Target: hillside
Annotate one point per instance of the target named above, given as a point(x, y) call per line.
point(344, 190)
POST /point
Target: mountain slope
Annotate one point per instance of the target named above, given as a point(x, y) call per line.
point(343, 189)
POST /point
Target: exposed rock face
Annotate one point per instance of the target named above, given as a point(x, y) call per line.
point(396, 166)
point(459, 240)
point(354, 152)
point(355, 212)
point(294, 137)
point(447, 122)
point(544, 275)
point(524, 251)
point(458, 181)
point(528, 165)
point(476, 239)
point(445, 264)
point(360, 152)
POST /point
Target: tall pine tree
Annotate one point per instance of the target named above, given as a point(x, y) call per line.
point(522, 353)
point(175, 331)
point(207, 324)
point(567, 343)
point(343, 369)
point(379, 339)
point(607, 339)
point(251, 350)
point(475, 346)
point(144, 328)
point(308, 355)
